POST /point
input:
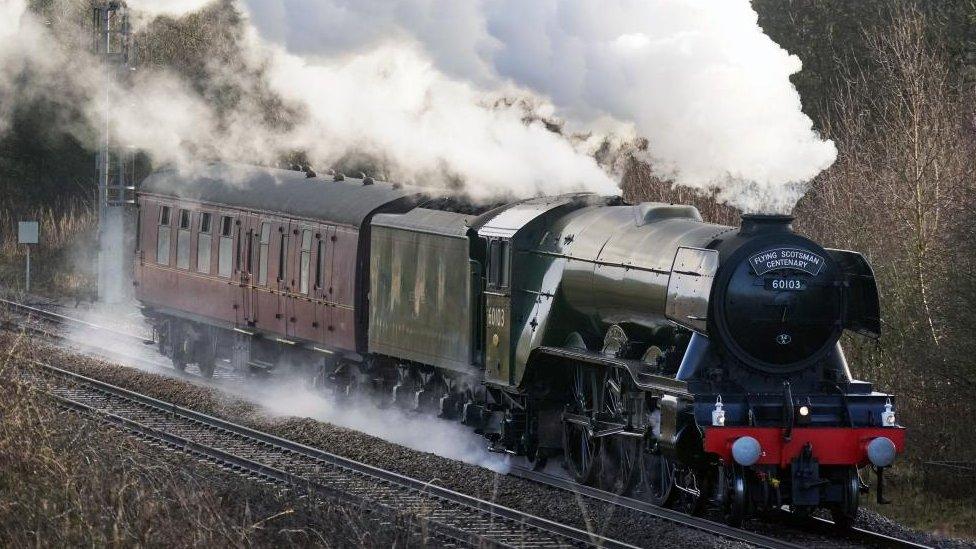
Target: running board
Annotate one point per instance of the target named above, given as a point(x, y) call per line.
point(659, 385)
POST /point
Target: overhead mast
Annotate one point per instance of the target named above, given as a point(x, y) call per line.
point(114, 164)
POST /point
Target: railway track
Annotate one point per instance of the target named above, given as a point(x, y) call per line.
point(290, 450)
point(452, 518)
point(807, 524)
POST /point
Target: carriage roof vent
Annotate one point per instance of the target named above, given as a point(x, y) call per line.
point(765, 223)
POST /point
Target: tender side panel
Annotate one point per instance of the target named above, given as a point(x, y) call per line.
point(421, 304)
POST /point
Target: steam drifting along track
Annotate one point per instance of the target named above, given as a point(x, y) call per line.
point(243, 462)
point(451, 517)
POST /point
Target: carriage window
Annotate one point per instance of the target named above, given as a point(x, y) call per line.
point(250, 252)
point(318, 263)
point(263, 253)
point(163, 235)
point(183, 241)
point(225, 258)
point(237, 253)
point(282, 258)
point(306, 260)
point(204, 241)
point(139, 231)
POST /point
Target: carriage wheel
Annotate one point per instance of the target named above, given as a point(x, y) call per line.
point(580, 448)
point(207, 365)
point(181, 346)
point(538, 458)
point(179, 364)
point(206, 355)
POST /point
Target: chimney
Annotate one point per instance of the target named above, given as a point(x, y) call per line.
point(753, 224)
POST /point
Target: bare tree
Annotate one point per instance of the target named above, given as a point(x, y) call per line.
point(903, 126)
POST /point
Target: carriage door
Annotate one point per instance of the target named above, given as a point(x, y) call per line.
point(322, 288)
point(246, 263)
point(498, 312)
point(285, 271)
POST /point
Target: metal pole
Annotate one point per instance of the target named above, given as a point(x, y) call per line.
point(28, 269)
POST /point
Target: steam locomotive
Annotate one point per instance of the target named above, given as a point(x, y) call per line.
point(690, 364)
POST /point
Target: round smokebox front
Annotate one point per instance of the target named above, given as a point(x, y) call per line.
point(781, 306)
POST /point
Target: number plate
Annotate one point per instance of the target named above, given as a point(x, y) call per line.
point(785, 284)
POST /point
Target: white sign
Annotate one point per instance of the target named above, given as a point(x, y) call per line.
point(27, 232)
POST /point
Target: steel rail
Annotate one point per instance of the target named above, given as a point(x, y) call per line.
point(815, 525)
point(453, 515)
point(64, 319)
point(863, 535)
point(671, 515)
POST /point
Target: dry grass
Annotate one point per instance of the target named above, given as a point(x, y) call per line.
point(914, 506)
point(63, 263)
point(68, 480)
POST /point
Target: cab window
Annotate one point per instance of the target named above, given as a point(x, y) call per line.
point(499, 263)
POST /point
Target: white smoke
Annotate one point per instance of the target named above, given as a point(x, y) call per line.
point(280, 396)
point(414, 85)
point(389, 104)
point(153, 8)
point(392, 103)
point(698, 78)
point(420, 432)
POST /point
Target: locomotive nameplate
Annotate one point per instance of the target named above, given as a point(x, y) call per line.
point(793, 259)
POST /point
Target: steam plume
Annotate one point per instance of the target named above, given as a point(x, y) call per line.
point(698, 78)
point(415, 86)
